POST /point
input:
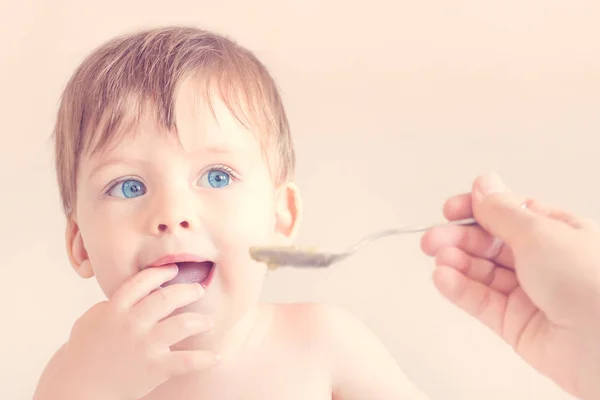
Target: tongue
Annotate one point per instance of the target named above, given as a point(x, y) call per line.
point(191, 272)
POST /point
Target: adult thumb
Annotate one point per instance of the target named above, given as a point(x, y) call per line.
point(498, 210)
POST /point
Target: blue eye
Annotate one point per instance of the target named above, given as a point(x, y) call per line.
point(129, 188)
point(216, 178)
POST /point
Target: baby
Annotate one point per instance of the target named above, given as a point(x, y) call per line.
point(174, 157)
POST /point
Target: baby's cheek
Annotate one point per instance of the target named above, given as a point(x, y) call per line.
point(248, 223)
point(113, 263)
point(241, 274)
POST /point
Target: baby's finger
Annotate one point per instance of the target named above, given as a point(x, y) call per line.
point(480, 270)
point(182, 362)
point(470, 239)
point(161, 303)
point(478, 300)
point(178, 327)
point(458, 207)
point(141, 284)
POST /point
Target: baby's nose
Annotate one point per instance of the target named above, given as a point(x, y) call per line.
point(166, 227)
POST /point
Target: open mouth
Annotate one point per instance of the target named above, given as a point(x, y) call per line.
point(193, 272)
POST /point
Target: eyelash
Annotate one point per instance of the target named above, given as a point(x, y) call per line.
point(218, 167)
point(116, 182)
point(222, 168)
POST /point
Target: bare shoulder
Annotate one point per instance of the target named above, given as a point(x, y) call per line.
point(320, 321)
point(312, 327)
point(360, 364)
point(334, 330)
point(330, 323)
point(49, 372)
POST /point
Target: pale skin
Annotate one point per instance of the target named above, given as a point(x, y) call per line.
point(540, 291)
point(187, 341)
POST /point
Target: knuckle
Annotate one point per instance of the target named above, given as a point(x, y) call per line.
point(164, 294)
point(489, 277)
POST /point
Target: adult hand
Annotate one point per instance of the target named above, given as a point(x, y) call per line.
point(530, 274)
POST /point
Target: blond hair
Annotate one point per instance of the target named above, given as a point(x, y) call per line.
point(110, 90)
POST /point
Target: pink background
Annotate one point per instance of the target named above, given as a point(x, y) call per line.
point(394, 105)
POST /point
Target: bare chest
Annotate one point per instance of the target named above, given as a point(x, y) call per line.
point(290, 379)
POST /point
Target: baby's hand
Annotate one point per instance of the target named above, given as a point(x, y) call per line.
point(120, 349)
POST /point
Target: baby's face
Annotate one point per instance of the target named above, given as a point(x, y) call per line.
point(152, 200)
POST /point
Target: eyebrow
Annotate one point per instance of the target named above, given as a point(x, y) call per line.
point(213, 149)
point(110, 162)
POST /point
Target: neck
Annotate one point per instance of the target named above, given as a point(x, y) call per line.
point(243, 334)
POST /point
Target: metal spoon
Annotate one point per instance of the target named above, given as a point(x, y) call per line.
point(303, 257)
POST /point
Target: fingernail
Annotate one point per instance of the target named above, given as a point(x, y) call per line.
point(491, 184)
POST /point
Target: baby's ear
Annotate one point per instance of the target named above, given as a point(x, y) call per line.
point(288, 211)
point(76, 250)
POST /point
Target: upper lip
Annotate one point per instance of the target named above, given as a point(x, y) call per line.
point(178, 258)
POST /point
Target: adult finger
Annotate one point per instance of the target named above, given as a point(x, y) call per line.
point(475, 298)
point(501, 212)
point(458, 207)
point(480, 270)
point(471, 239)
